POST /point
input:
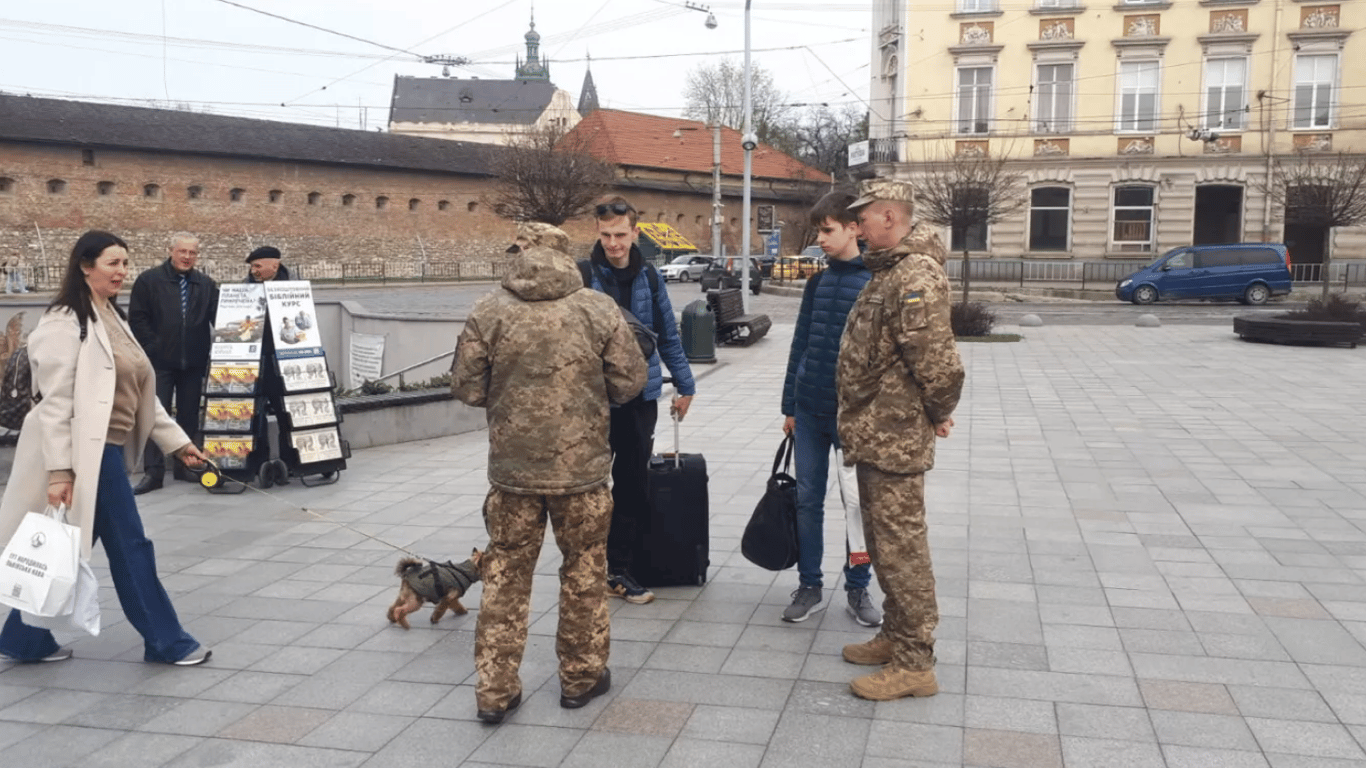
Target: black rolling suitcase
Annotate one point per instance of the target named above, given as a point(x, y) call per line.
point(674, 548)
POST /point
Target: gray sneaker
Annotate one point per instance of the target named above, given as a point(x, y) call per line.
point(861, 608)
point(805, 601)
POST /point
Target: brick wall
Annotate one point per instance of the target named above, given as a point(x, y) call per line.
point(300, 208)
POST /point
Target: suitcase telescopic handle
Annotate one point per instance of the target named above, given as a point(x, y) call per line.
point(673, 415)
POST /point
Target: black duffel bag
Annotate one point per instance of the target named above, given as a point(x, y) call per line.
point(770, 539)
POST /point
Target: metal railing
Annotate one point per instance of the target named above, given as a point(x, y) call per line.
point(1089, 274)
point(1344, 273)
point(48, 277)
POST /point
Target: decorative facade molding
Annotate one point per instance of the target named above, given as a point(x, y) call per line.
point(1056, 45)
point(1320, 17)
point(1314, 142)
point(1142, 46)
point(1224, 145)
point(976, 50)
point(1137, 145)
point(1058, 10)
point(1225, 174)
point(1225, 22)
point(1051, 147)
point(971, 149)
point(1147, 25)
point(1057, 29)
point(975, 33)
point(1131, 7)
point(1128, 174)
point(1049, 175)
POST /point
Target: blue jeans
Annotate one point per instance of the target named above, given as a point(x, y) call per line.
point(132, 564)
point(815, 437)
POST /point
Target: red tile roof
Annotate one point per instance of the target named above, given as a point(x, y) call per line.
point(632, 138)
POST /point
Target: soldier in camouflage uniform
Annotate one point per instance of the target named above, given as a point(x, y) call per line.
point(898, 380)
point(545, 357)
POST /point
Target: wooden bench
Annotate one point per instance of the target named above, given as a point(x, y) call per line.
point(1285, 331)
point(733, 326)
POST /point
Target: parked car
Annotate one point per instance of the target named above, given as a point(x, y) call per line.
point(685, 268)
point(798, 267)
point(1248, 272)
point(725, 273)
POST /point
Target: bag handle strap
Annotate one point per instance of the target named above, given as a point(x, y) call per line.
point(785, 447)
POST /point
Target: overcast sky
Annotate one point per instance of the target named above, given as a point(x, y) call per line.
point(216, 55)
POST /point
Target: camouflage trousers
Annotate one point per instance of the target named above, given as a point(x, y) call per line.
point(898, 541)
point(516, 528)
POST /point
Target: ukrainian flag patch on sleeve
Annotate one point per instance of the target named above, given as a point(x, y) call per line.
point(911, 298)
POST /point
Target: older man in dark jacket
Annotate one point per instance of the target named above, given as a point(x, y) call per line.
point(545, 357)
point(171, 311)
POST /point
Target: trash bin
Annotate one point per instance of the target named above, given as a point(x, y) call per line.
point(699, 333)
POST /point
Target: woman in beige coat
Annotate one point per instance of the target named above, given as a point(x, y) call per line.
point(98, 409)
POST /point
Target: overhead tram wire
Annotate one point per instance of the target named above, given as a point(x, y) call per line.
point(318, 28)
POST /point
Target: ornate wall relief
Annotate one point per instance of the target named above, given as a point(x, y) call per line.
point(1234, 21)
point(975, 32)
point(1320, 17)
point(1314, 142)
point(1051, 147)
point(1149, 25)
point(1138, 145)
point(1057, 29)
point(1224, 145)
point(971, 148)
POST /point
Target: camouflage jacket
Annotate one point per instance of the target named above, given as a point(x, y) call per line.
point(545, 356)
point(899, 372)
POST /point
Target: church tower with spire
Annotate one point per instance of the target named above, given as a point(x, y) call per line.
point(588, 95)
point(533, 68)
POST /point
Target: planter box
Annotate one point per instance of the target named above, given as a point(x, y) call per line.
point(400, 417)
point(1286, 331)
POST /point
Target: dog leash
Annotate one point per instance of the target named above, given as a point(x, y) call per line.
point(212, 477)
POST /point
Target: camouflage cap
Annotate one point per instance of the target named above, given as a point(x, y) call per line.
point(540, 233)
point(870, 190)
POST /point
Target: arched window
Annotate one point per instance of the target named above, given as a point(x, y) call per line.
point(194, 192)
point(236, 194)
point(315, 198)
point(443, 205)
point(348, 200)
point(56, 187)
point(472, 207)
point(381, 202)
point(275, 195)
point(6, 185)
point(151, 191)
point(1050, 216)
point(413, 204)
point(104, 188)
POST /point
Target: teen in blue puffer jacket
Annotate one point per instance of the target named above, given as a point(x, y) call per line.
point(810, 405)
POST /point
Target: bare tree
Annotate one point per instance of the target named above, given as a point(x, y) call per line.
point(716, 93)
point(821, 135)
point(970, 189)
point(546, 174)
point(1319, 191)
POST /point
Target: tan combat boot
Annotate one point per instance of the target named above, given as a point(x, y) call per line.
point(873, 653)
point(894, 683)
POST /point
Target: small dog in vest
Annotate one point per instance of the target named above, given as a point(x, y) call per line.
point(427, 581)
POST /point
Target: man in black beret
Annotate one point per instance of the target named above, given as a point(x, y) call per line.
point(265, 265)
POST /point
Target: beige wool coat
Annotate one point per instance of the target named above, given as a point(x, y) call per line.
point(67, 429)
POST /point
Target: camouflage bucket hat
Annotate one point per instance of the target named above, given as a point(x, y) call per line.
point(871, 190)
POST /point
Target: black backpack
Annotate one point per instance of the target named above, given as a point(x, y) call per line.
point(18, 397)
point(647, 337)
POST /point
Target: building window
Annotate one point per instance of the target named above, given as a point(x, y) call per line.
point(348, 201)
point(413, 204)
point(1138, 96)
point(275, 195)
point(1133, 218)
point(194, 193)
point(1050, 209)
point(236, 194)
point(1053, 111)
point(1057, 3)
point(1315, 79)
point(6, 185)
point(472, 207)
point(56, 187)
point(381, 202)
point(976, 6)
point(973, 238)
point(974, 99)
point(104, 188)
point(315, 198)
point(1225, 93)
point(87, 157)
point(443, 205)
point(151, 191)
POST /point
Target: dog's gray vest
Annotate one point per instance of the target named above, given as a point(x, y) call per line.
point(435, 579)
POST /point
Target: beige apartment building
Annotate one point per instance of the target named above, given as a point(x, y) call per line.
point(1139, 125)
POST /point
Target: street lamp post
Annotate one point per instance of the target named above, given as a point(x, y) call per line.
point(749, 141)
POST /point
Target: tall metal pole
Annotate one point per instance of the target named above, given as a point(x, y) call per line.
point(716, 248)
point(749, 165)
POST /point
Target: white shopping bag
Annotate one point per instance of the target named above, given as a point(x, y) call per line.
point(39, 565)
point(85, 607)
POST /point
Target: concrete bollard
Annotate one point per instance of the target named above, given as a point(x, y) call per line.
point(1031, 321)
point(1148, 321)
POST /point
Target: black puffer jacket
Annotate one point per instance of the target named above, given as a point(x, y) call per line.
point(173, 343)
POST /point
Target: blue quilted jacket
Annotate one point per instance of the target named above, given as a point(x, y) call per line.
point(670, 345)
point(815, 351)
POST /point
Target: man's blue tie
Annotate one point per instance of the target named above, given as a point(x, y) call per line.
point(184, 296)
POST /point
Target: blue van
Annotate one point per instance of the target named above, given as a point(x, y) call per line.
point(1248, 272)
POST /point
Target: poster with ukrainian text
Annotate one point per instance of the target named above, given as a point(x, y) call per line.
point(240, 325)
point(293, 319)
